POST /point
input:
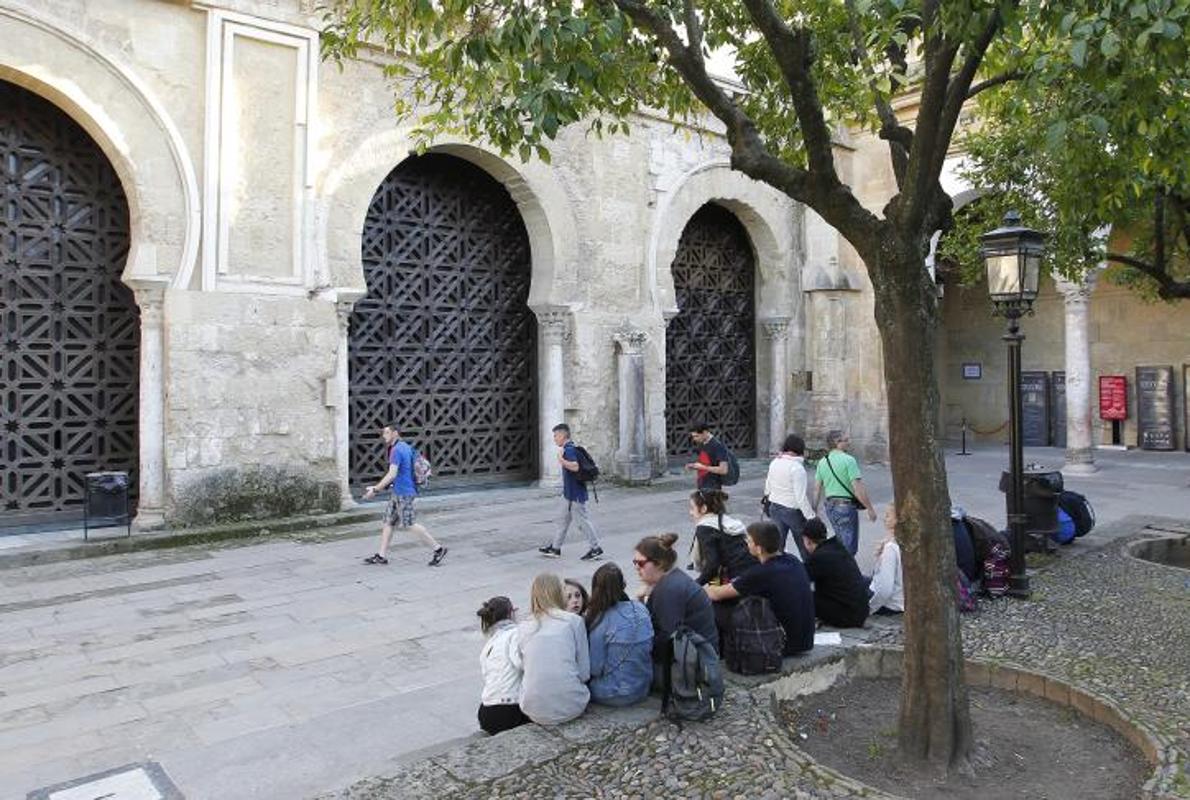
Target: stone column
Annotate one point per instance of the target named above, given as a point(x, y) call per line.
point(553, 324)
point(632, 460)
point(776, 331)
point(341, 400)
point(1080, 444)
point(150, 511)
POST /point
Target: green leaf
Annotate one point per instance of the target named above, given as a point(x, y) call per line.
point(1110, 45)
point(1078, 52)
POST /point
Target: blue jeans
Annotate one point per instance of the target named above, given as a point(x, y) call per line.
point(844, 517)
point(789, 521)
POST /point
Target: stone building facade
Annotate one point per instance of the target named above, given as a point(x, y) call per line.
point(262, 187)
point(225, 268)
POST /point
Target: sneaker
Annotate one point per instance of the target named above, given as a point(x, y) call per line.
point(549, 551)
point(376, 559)
point(594, 554)
point(439, 554)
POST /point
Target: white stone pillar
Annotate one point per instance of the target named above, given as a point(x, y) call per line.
point(632, 461)
point(553, 324)
point(341, 400)
point(1080, 445)
point(150, 510)
point(776, 331)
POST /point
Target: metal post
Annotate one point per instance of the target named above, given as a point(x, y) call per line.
point(1018, 580)
point(963, 451)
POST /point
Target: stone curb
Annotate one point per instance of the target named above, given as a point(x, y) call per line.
point(875, 661)
point(484, 759)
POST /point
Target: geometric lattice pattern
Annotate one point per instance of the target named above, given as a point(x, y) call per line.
point(710, 353)
point(444, 343)
point(69, 329)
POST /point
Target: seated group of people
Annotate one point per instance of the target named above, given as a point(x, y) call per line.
point(605, 647)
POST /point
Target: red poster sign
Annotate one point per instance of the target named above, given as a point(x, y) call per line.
point(1113, 397)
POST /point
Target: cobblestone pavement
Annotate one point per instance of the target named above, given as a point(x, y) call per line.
point(1113, 625)
point(287, 668)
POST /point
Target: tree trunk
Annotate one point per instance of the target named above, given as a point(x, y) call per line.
point(935, 722)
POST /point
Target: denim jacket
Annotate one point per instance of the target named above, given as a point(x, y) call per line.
point(621, 655)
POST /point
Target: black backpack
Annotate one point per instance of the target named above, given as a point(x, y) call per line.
point(588, 471)
point(694, 680)
point(756, 640)
point(733, 468)
point(1079, 509)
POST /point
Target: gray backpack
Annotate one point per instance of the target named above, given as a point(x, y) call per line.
point(694, 680)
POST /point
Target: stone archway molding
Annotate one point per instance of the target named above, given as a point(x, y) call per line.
point(766, 217)
point(348, 188)
point(345, 194)
point(131, 127)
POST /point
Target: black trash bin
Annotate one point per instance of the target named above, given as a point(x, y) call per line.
point(106, 501)
point(1041, 488)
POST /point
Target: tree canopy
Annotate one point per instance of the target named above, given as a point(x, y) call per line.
point(1092, 133)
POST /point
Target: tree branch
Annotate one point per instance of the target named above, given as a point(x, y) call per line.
point(1168, 287)
point(792, 51)
point(999, 80)
point(749, 153)
point(898, 136)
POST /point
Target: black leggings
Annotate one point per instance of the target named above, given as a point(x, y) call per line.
point(494, 719)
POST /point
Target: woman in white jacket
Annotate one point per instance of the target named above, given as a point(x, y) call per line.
point(500, 662)
point(555, 654)
point(786, 488)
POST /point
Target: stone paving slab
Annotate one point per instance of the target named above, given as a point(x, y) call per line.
point(295, 669)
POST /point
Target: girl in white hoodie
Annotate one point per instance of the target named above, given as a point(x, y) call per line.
point(500, 662)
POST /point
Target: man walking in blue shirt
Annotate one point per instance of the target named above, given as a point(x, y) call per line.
point(575, 493)
point(399, 512)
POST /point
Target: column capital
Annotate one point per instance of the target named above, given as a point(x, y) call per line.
point(554, 323)
point(630, 340)
point(775, 328)
point(343, 309)
point(151, 300)
point(1077, 290)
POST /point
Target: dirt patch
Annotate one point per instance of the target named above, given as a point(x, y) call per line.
point(1025, 747)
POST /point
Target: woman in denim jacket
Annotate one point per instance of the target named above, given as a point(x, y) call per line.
point(621, 637)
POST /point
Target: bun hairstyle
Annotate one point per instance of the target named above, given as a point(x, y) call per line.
point(659, 549)
point(492, 611)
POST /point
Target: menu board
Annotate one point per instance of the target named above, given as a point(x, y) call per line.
point(1058, 409)
point(1154, 408)
point(1035, 409)
point(1113, 397)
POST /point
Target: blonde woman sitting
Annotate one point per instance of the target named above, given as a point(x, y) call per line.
point(555, 656)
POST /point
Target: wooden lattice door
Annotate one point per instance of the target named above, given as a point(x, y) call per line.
point(70, 328)
point(710, 348)
point(444, 343)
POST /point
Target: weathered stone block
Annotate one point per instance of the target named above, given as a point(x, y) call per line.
point(252, 492)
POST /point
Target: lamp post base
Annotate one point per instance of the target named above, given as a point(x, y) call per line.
point(1018, 586)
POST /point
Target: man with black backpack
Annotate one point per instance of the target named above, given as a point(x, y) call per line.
point(578, 469)
point(716, 465)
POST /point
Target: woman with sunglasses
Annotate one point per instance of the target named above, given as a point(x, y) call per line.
point(672, 597)
point(720, 551)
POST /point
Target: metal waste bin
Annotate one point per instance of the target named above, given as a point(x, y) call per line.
point(106, 501)
point(1041, 489)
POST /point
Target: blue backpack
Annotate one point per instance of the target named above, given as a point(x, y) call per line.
point(1066, 530)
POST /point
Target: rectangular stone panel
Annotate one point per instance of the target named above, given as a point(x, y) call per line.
point(1035, 407)
point(1155, 408)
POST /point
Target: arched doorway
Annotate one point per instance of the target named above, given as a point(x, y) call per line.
point(710, 345)
point(71, 329)
point(444, 344)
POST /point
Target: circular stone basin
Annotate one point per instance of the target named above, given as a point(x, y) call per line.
point(1172, 551)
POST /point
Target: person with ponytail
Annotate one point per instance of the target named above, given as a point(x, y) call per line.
point(672, 597)
point(500, 663)
point(720, 550)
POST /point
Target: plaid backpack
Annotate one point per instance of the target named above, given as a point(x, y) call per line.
point(756, 640)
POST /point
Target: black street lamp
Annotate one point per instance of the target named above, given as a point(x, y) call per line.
point(1012, 255)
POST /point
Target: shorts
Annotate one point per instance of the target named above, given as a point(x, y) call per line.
point(399, 511)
